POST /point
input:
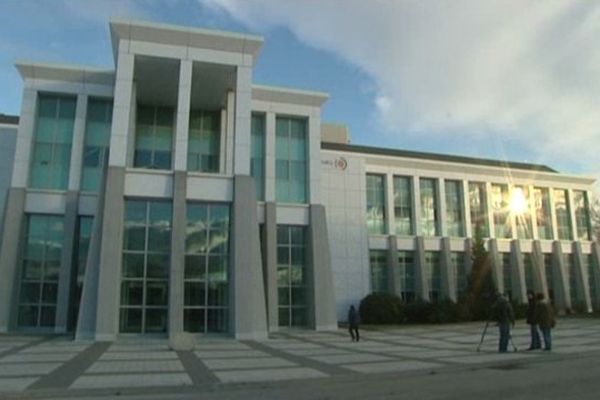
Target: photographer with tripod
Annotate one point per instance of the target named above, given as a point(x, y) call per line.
point(503, 314)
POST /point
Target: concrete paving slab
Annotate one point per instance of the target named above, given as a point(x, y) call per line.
point(137, 348)
point(316, 352)
point(15, 384)
point(267, 375)
point(136, 366)
point(27, 369)
point(241, 363)
point(221, 346)
point(350, 358)
point(41, 357)
point(131, 355)
point(131, 381)
point(230, 354)
point(484, 358)
point(394, 366)
point(293, 345)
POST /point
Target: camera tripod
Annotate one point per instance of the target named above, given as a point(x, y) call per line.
point(487, 323)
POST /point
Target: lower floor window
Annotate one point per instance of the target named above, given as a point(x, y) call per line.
point(291, 275)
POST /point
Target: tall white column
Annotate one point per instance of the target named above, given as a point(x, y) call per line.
point(270, 156)
point(389, 204)
point(122, 111)
point(183, 115)
point(78, 141)
point(24, 145)
point(230, 132)
point(466, 209)
point(442, 220)
point(243, 98)
point(571, 204)
point(553, 214)
point(416, 206)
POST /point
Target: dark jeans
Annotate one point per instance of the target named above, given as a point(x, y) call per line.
point(547, 338)
point(536, 342)
point(354, 333)
point(504, 337)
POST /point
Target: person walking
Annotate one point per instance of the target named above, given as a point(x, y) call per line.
point(533, 327)
point(544, 317)
point(505, 317)
point(353, 324)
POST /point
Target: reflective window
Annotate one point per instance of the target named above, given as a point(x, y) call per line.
point(549, 271)
point(51, 157)
point(153, 137)
point(402, 205)
point(406, 263)
point(458, 261)
point(204, 141)
point(454, 208)
point(375, 204)
point(522, 210)
point(145, 269)
point(97, 143)
point(433, 272)
point(478, 206)
point(84, 234)
point(257, 154)
point(582, 216)
point(501, 210)
point(541, 198)
point(429, 217)
point(206, 278)
point(42, 251)
point(563, 218)
point(592, 270)
point(290, 160)
point(292, 275)
point(507, 274)
point(570, 268)
point(528, 267)
point(379, 271)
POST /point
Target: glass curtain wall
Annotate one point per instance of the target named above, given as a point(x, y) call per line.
point(403, 206)
point(96, 144)
point(257, 154)
point(292, 275)
point(42, 251)
point(145, 271)
point(406, 263)
point(523, 218)
point(204, 141)
point(51, 156)
point(290, 160)
point(458, 261)
point(454, 209)
point(206, 277)
point(478, 203)
point(541, 198)
point(582, 216)
point(501, 211)
point(570, 267)
point(528, 267)
point(153, 137)
point(429, 206)
point(434, 275)
point(563, 214)
point(84, 234)
point(379, 271)
point(507, 274)
point(375, 204)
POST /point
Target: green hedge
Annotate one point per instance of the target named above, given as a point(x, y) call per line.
point(381, 308)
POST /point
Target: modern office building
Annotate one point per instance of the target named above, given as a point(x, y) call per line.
point(173, 195)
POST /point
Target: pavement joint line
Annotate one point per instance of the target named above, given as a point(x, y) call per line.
point(64, 376)
point(195, 368)
point(299, 360)
point(27, 345)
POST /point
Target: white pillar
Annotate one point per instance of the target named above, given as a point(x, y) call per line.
point(122, 111)
point(78, 142)
point(441, 193)
point(467, 209)
point(243, 98)
point(25, 134)
point(270, 156)
point(416, 191)
point(183, 115)
point(389, 204)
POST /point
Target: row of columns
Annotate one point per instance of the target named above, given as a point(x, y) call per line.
point(560, 274)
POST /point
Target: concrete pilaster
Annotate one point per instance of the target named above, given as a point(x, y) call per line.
point(571, 210)
point(243, 99)
point(553, 214)
point(9, 256)
point(223, 156)
point(66, 262)
point(249, 316)
point(123, 111)
point(389, 204)
point(321, 275)
point(25, 134)
point(443, 219)
point(183, 115)
point(270, 156)
point(176, 272)
point(467, 209)
point(595, 278)
point(496, 263)
point(489, 215)
point(539, 269)
point(518, 271)
point(109, 278)
point(532, 212)
point(422, 283)
point(416, 205)
point(77, 144)
point(448, 271)
point(395, 279)
point(468, 255)
point(270, 265)
point(583, 289)
point(230, 131)
point(561, 282)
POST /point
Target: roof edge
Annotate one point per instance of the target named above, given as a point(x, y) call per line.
point(288, 95)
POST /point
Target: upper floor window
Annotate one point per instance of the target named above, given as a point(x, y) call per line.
point(478, 203)
point(582, 217)
point(204, 141)
point(520, 205)
point(429, 214)
point(375, 204)
point(454, 209)
point(97, 143)
point(501, 210)
point(51, 157)
point(257, 154)
point(290, 154)
point(541, 199)
point(402, 205)
point(563, 214)
point(153, 137)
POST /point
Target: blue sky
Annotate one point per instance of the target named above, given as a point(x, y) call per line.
point(515, 80)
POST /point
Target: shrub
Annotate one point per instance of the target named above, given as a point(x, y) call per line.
point(419, 312)
point(381, 308)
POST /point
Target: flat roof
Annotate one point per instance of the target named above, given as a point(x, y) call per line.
point(380, 151)
point(65, 72)
point(280, 94)
point(9, 119)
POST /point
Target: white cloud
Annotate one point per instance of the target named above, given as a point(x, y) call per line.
point(526, 71)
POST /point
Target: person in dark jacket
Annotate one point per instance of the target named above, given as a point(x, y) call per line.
point(544, 317)
point(504, 316)
point(533, 327)
point(353, 324)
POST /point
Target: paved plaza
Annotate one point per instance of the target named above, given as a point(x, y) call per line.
point(33, 366)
